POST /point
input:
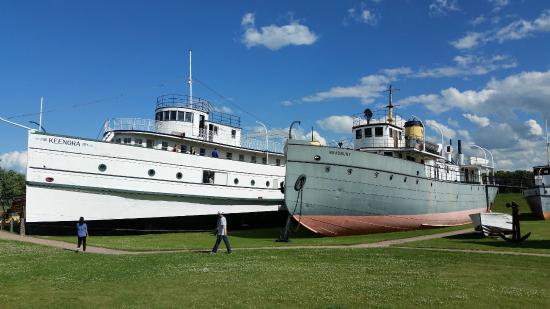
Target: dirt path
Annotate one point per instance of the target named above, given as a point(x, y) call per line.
point(381, 244)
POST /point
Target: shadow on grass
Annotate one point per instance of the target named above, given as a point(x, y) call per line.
point(479, 239)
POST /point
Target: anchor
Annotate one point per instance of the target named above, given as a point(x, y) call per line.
point(516, 232)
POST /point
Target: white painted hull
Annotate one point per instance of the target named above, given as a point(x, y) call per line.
point(64, 182)
point(492, 223)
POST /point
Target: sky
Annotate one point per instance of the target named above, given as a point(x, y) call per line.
point(478, 71)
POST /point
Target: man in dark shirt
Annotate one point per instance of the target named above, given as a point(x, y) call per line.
point(215, 153)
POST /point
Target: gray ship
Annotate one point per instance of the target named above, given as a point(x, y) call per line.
point(538, 196)
point(392, 180)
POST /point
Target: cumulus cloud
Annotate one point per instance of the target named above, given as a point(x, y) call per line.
point(364, 15)
point(515, 30)
point(452, 122)
point(466, 65)
point(336, 124)
point(275, 37)
point(498, 4)
point(534, 127)
point(369, 88)
point(441, 128)
point(480, 121)
point(15, 160)
point(442, 7)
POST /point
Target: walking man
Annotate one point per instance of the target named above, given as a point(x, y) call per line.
point(221, 233)
point(82, 232)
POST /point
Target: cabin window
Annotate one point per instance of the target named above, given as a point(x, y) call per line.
point(166, 116)
point(149, 143)
point(252, 182)
point(253, 159)
point(264, 161)
point(358, 134)
point(368, 132)
point(164, 146)
point(277, 162)
point(241, 157)
point(138, 142)
point(127, 140)
point(390, 131)
point(236, 181)
point(118, 140)
point(400, 156)
point(388, 153)
point(158, 116)
point(173, 115)
point(183, 148)
point(411, 158)
point(267, 183)
point(378, 131)
point(188, 117)
point(181, 116)
point(208, 176)
point(233, 133)
point(202, 151)
point(229, 156)
point(399, 135)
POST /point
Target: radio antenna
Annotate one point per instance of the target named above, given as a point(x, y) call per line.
point(190, 80)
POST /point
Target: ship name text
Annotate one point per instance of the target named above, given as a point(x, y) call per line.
point(339, 153)
point(62, 141)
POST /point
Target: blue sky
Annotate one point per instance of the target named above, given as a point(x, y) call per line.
point(478, 70)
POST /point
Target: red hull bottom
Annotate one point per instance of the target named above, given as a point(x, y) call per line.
point(355, 225)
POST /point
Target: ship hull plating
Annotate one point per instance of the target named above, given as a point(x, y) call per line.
point(539, 201)
point(350, 192)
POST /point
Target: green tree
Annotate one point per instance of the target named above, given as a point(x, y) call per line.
point(12, 184)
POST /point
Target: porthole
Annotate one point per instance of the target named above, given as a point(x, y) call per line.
point(252, 182)
point(350, 171)
point(151, 172)
point(405, 179)
point(417, 181)
point(417, 173)
point(391, 177)
point(317, 157)
point(179, 175)
point(431, 184)
point(102, 167)
point(267, 183)
point(327, 169)
point(236, 181)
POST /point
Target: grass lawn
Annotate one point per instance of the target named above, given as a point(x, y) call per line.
point(41, 277)
point(538, 242)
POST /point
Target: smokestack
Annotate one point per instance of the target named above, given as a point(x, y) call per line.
point(459, 147)
point(460, 155)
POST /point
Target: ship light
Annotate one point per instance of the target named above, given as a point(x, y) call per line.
point(49, 179)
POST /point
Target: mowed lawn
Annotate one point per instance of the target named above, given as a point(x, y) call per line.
point(40, 277)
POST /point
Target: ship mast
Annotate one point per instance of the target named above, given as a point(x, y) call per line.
point(190, 81)
point(390, 106)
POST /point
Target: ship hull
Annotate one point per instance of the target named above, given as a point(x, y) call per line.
point(108, 183)
point(350, 192)
point(538, 199)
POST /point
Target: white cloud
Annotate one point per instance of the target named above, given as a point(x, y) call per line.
point(287, 103)
point(369, 88)
point(534, 127)
point(223, 109)
point(436, 126)
point(467, 65)
point(516, 30)
point(275, 37)
point(480, 121)
point(443, 7)
point(498, 4)
point(452, 122)
point(478, 20)
point(464, 134)
point(394, 72)
point(364, 15)
point(337, 124)
point(15, 160)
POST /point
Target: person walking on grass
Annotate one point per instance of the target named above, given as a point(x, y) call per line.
point(221, 233)
point(82, 232)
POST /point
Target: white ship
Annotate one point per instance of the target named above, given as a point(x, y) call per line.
point(177, 170)
point(538, 196)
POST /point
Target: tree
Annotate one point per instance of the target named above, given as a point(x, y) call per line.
point(12, 184)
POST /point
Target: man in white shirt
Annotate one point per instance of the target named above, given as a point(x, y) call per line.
point(221, 233)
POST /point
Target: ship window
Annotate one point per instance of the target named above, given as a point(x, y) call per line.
point(158, 116)
point(233, 133)
point(267, 183)
point(358, 134)
point(149, 143)
point(390, 132)
point(399, 135)
point(208, 176)
point(252, 182)
point(241, 157)
point(229, 156)
point(401, 156)
point(166, 116)
point(202, 151)
point(264, 161)
point(179, 175)
point(151, 172)
point(173, 115)
point(368, 132)
point(378, 131)
point(405, 179)
point(253, 159)
point(188, 117)
point(388, 153)
point(102, 167)
point(277, 162)
point(164, 146)
point(118, 140)
point(183, 148)
point(236, 181)
point(138, 142)
point(127, 140)
point(181, 116)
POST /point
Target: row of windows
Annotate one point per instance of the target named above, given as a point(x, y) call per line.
point(207, 176)
point(189, 150)
point(378, 131)
point(174, 116)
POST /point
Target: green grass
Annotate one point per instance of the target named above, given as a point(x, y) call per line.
point(538, 242)
point(40, 277)
point(238, 239)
